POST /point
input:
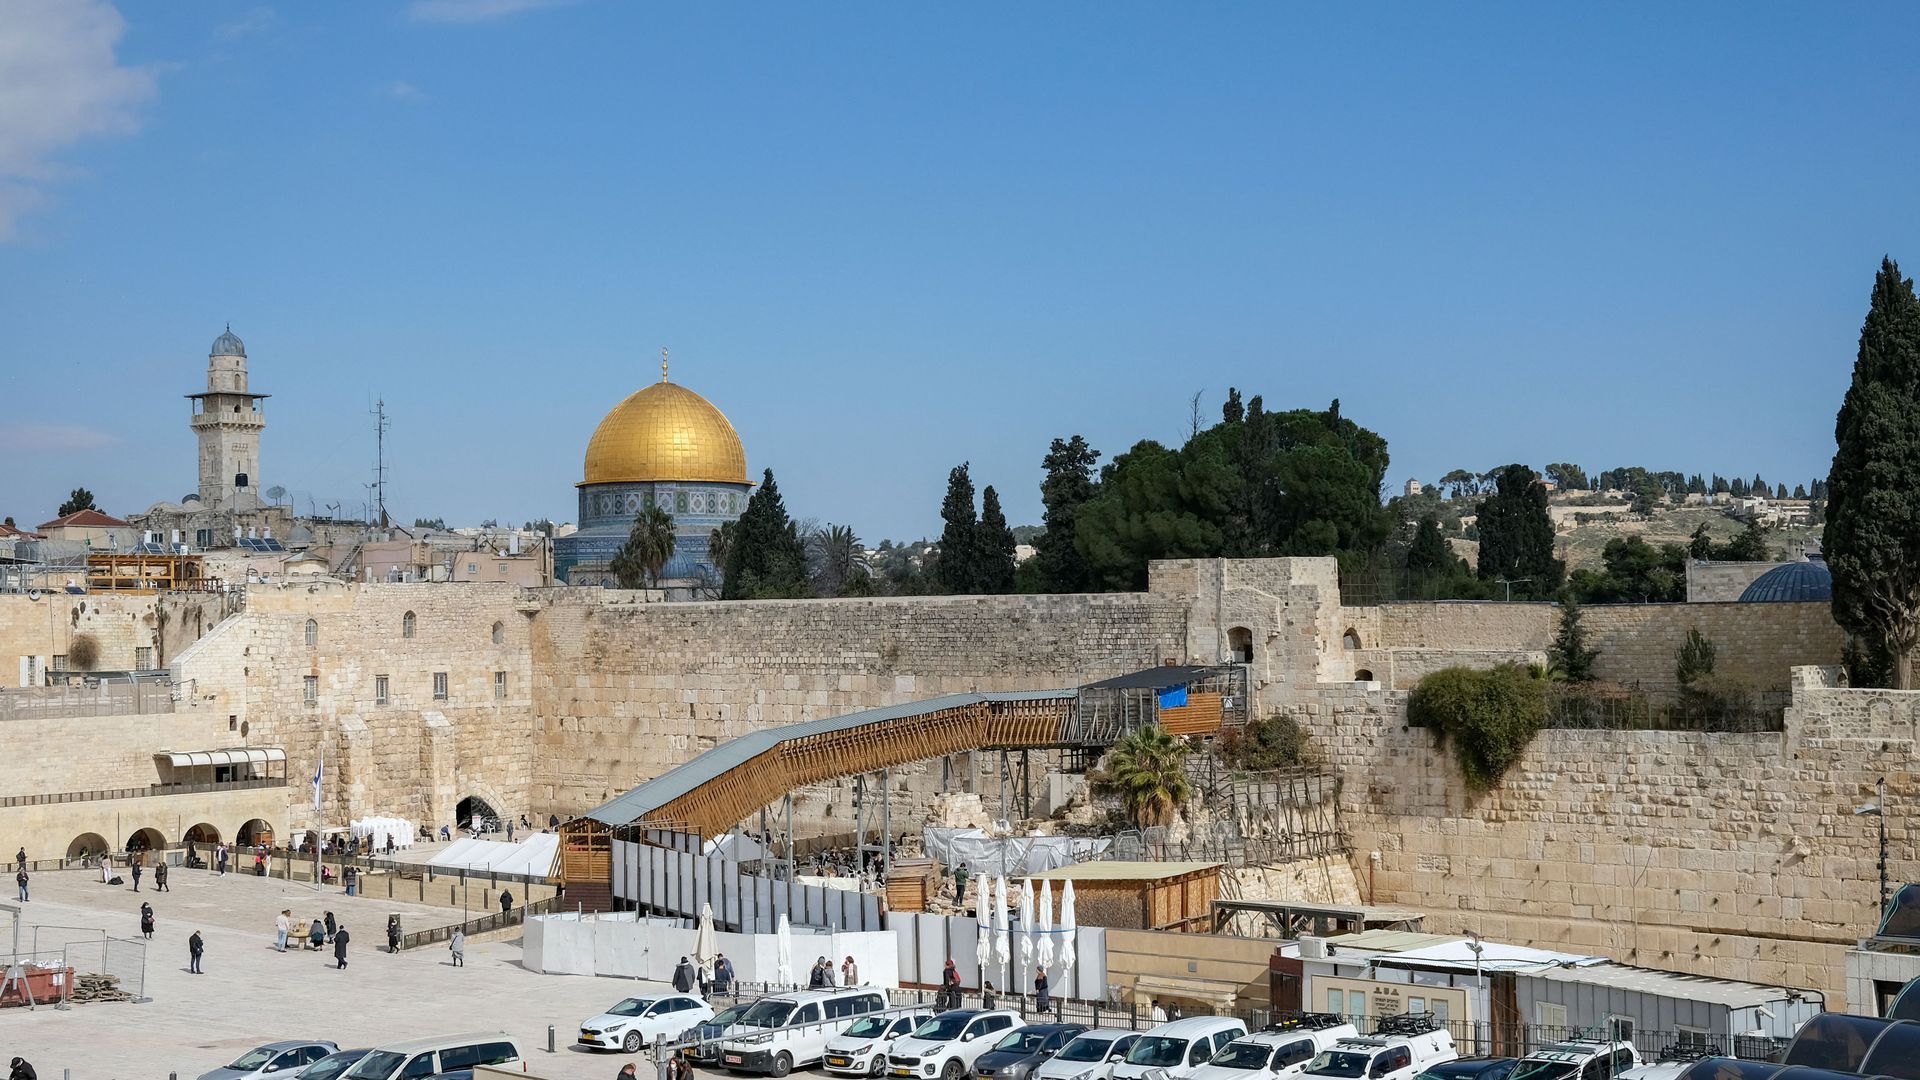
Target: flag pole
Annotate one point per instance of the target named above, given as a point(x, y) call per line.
point(318, 776)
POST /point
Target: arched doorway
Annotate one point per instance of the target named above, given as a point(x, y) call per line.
point(474, 806)
point(146, 840)
point(256, 832)
point(1363, 675)
point(1351, 639)
point(1240, 644)
point(203, 833)
point(91, 843)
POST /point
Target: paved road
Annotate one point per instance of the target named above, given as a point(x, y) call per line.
point(251, 993)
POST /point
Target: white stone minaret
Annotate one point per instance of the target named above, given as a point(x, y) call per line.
point(228, 420)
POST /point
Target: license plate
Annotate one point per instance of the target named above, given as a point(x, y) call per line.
point(733, 1059)
point(898, 1071)
point(840, 1061)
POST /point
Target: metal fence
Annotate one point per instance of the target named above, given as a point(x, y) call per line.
point(118, 698)
point(481, 925)
point(1719, 708)
point(64, 973)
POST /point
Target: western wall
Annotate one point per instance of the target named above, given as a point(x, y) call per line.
point(1734, 855)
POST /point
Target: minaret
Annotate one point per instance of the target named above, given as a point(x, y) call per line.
point(227, 419)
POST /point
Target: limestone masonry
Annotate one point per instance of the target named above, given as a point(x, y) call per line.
point(1732, 855)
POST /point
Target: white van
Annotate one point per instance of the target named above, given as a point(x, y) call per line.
point(1279, 1051)
point(787, 1031)
point(424, 1057)
point(1179, 1047)
point(1398, 1056)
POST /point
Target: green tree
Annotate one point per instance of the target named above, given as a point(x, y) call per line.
point(649, 546)
point(1067, 486)
point(1720, 485)
point(1154, 503)
point(1799, 491)
point(958, 569)
point(1749, 546)
point(1570, 655)
point(1516, 535)
point(1700, 544)
point(1567, 476)
point(1873, 507)
point(1635, 572)
point(1489, 717)
point(1693, 661)
point(835, 561)
point(766, 559)
point(719, 542)
point(1148, 769)
point(993, 547)
point(80, 499)
point(1429, 550)
point(1461, 482)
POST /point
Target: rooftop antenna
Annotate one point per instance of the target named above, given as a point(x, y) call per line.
point(380, 426)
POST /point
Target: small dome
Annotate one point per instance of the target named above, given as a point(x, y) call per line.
point(228, 345)
point(665, 432)
point(1796, 581)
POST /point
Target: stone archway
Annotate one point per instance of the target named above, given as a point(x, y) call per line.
point(148, 839)
point(255, 832)
point(478, 806)
point(91, 843)
point(203, 833)
point(1240, 645)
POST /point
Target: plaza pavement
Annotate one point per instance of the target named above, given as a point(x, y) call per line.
point(251, 994)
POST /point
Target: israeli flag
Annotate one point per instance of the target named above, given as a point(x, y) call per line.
point(318, 775)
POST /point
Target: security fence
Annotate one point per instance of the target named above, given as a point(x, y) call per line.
point(89, 968)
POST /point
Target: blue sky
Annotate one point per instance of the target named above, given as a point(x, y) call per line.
point(885, 238)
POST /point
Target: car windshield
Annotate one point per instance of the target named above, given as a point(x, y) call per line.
point(1543, 1070)
point(1339, 1063)
point(1243, 1055)
point(630, 1007)
point(376, 1066)
point(1157, 1050)
point(869, 1027)
point(254, 1058)
point(942, 1027)
point(1026, 1041)
point(329, 1067)
point(767, 1014)
point(1085, 1048)
point(729, 1015)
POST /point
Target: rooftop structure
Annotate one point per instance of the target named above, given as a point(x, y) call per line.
point(1793, 582)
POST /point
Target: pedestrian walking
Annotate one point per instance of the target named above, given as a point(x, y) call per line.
point(340, 938)
point(21, 879)
point(393, 936)
point(988, 999)
point(506, 902)
point(195, 947)
point(135, 867)
point(160, 877)
point(21, 858)
point(950, 985)
point(683, 976)
point(220, 857)
point(330, 926)
point(146, 921)
point(22, 1071)
point(1041, 997)
point(722, 974)
point(458, 946)
point(282, 924)
point(509, 830)
point(849, 973)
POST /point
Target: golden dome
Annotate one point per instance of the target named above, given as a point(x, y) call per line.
point(665, 432)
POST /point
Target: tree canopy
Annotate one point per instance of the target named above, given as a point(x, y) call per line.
point(80, 499)
point(649, 546)
point(1067, 487)
point(993, 548)
point(958, 567)
point(1873, 507)
point(1516, 535)
point(766, 559)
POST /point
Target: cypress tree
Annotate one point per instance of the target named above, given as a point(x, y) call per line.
point(957, 570)
point(765, 556)
point(1569, 654)
point(994, 547)
point(1429, 550)
point(1516, 535)
point(1873, 506)
point(1067, 486)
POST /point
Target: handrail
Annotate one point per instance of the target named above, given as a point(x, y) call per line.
point(148, 791)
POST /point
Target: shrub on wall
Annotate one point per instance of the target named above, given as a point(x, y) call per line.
point(1488, 716)
point(83, 652)
point(1274, 741)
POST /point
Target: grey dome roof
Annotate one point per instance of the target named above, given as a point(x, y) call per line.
point(1796, 581)
point(228, 345)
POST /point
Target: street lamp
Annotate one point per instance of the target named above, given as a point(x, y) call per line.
point(1511, 584)
point(1879, 810)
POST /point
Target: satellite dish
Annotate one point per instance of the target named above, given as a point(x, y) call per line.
point(276, 493)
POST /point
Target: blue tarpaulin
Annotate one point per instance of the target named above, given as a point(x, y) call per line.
point(1173, 697)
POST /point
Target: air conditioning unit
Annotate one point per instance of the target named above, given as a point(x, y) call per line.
point(1313, 948)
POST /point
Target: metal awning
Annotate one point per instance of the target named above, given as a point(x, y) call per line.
point(256, 755)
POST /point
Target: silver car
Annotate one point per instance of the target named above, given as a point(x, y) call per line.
point(288, 1056)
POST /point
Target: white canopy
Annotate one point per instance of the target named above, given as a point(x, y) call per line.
point(243, 755)
point(532, 856)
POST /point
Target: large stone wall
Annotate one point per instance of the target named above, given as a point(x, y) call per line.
point(1729, 855)
point(44, 625)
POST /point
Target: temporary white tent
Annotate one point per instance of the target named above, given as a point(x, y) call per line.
point(532, 856)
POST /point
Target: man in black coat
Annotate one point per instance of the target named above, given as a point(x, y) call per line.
point(195, 947)
point(340, 946)
point(506, 902)
point(683, 976)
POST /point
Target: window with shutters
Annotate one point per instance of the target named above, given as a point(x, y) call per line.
point(379, 689)
point(439, 686)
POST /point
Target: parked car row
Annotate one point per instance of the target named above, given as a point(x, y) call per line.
point(447, 1057)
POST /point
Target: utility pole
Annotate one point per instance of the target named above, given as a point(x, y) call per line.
point(380, 426)
point(1878, 809)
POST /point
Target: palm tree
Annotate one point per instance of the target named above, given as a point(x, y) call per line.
point(1149, 770)
point(835, 554)
point(648, 548)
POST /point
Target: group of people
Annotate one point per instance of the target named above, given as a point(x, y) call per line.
point(686, 977)
point(319, 932)
point(821, 977)
point(950, 989)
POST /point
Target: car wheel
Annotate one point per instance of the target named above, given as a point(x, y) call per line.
point(953, 1070)
point(631, 1044)
point(879, 1066)
point(782, 1063)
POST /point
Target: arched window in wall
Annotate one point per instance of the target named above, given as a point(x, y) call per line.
point(499, 634)
point(313, 633)
point(406, 625)
point(1240, 644)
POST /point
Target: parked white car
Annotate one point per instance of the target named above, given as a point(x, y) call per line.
point(637, 1021)
point(947, 1045)
point(1090, 1056)
point(1175, 1049)
point(862, 1049)
point(1279, 1052)
point(1384, 1057)
point(791, 1031)
point(1577, 1059)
